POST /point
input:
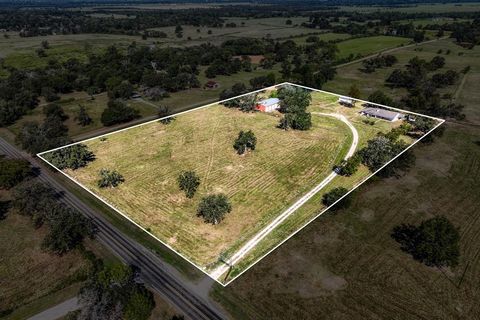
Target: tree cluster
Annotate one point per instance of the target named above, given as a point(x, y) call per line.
point(293, 104)
point(434, 242)
point(67, 227)
point(72, 157)
point(334, 195)
point(13, 171)
point(112, 292)
point(380, 61)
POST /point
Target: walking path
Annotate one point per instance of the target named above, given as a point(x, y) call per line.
point(58, 311)
point(219, 271)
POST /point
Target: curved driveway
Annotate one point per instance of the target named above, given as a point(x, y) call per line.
point(237, 256)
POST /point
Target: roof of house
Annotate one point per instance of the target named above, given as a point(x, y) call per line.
point(381, 113)
point(269, 101)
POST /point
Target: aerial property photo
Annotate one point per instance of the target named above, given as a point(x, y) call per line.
point(225, 184)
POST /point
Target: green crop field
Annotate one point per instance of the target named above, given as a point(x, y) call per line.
point(260, 184)
point(369, 45)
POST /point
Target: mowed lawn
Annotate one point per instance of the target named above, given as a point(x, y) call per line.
point(260, 185)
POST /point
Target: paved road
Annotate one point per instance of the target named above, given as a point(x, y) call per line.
point(154, 272)
point(58, 311)
point(237, 256)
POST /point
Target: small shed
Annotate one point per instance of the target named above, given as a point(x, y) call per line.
point(346, 101)
point(268, 105)
point(382, 114)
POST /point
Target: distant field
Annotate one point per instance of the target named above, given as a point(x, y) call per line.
point(329, 36)
point(432, 7)
point(456, 60)
point(94, 109)
point(27, 273)
point(369, 45)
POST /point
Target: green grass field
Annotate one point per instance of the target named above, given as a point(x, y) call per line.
point(369, 45)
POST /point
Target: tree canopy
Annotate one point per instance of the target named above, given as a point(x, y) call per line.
point(434, 242)
point(117, 111)
point(13, 171)
point(245, 141)
point(111, 292)
point(293, 104)
point(72, 157)
point(333, 195)
point(188, 181)
point(213, 208)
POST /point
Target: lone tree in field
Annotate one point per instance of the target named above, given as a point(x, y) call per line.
point(333, 195)
point(213, 208)
point(109, 178)
point(72, 157)
point(188, 181)
point(246, 141)
point(434, 242)
point(83, 118)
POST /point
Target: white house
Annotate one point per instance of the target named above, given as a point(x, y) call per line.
point(382, 114)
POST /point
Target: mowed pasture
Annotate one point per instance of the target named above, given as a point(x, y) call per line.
point(260, 184)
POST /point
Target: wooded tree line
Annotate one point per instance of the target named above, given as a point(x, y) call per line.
point(422, 87)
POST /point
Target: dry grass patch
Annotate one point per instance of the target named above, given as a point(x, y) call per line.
point(259, 184)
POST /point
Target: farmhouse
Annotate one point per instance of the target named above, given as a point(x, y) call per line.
point(346, 101)
point(268, 105)
point(382, 114)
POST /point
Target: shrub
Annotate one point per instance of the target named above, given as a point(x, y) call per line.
point(109, 179)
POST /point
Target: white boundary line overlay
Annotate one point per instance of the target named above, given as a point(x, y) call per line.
point(441, 121)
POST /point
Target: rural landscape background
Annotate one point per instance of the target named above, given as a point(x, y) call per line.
point(75, 70)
